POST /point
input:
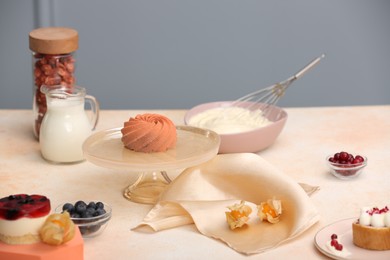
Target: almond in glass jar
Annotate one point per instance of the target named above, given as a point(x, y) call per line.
point(53, 63)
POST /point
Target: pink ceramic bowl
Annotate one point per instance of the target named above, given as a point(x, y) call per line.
point(249, 141)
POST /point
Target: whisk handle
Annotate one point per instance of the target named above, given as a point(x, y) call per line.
point(308, 66)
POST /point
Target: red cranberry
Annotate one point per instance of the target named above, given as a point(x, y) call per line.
point(344, 156)
point(334, 236)
point(359, 158)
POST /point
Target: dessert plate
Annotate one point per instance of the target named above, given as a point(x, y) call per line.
point(193, 147)
point(343, 229)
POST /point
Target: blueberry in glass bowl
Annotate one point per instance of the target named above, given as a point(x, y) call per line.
point(344, 165)
point(91, 217)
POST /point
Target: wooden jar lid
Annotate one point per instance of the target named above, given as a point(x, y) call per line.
point(53, 40)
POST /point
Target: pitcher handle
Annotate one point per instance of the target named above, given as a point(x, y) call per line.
point(95, 110)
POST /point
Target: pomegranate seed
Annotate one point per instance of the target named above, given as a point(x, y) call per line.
point(376, 210)
point(335, 243)
point(339, 247)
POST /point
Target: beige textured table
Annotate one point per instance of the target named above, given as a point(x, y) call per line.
point(310, 134)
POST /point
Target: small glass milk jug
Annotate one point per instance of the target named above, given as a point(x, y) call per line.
point(66, 125)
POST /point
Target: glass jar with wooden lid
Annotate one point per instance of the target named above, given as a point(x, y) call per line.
point(53, 63)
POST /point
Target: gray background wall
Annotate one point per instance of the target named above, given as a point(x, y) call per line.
point(179, 53)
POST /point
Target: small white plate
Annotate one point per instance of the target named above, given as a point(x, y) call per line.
point(343, 229)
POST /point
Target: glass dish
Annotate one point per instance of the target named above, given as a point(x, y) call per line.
point(346, 171)
point(93, 226)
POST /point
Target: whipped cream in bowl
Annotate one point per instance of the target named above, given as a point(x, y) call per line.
point(229, 120)
point(240, 129)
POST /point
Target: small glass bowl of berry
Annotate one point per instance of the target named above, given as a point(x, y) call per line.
point(91, 217)
point(344, 165)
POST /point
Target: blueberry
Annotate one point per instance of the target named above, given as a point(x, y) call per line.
point(68, 207)
point(99, 205)
point(75, 215)
point(90, 211)
point(100, 212)
point(80, 206)
point(86, 214)
point(92, 205)
point(23, 201)
point(93, 228)
point(12, 214)
point(27, 200)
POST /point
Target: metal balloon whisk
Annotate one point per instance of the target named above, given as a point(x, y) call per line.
point(266, 98)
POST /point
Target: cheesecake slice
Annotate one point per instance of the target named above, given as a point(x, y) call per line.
point(21, 217)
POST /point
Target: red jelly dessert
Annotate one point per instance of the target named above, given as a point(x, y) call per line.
point(21, 217)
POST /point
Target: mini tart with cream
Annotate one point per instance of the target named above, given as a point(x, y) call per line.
point(21, 218)
point(149, 133)
point(372, 229)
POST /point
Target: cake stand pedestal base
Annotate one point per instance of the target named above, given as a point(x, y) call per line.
point(148, 187)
